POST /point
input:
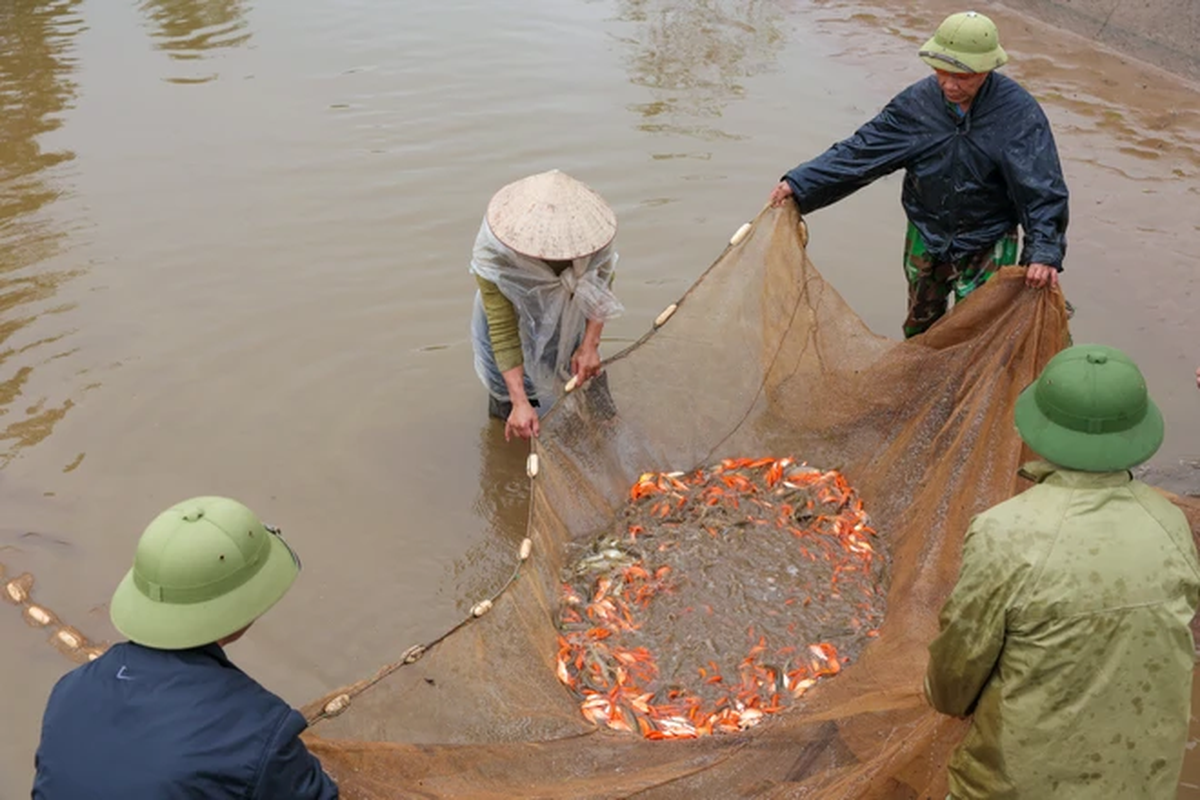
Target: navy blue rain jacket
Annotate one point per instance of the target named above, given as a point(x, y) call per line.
point(969, 178)
point(146, 724)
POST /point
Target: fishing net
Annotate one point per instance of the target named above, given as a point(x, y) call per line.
point(653, 614)
point(762, 359)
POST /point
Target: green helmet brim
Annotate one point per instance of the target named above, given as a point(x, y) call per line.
point(177, 626)
point(947, 60)
point(1088, 452)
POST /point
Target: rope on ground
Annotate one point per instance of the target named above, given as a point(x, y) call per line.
point(66, 639)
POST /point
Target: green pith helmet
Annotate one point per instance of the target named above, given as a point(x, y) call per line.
point(204, 569)
point(965, 42)
point(1089, 410)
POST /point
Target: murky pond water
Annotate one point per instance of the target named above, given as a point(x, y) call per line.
point(233, 246)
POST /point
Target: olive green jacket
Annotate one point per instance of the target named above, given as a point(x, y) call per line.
point(1067, 640)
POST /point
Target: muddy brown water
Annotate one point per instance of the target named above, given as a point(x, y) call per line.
point(233, 249)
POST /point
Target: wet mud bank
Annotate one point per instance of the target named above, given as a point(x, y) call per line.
point(1162, 32)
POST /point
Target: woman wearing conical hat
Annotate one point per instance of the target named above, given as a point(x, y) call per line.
point(544, 262)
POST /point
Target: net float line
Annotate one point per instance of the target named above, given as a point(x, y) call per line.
point(62, 637)
point(339, 700)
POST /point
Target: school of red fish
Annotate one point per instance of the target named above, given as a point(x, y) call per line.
point(619, 683)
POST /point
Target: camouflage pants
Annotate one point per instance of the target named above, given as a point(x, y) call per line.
point(930, 284)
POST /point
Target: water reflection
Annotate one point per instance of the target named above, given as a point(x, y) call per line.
point(502, 506)
point(36, 87)
point(187, 30)
point(503, 499)
point(694, 54)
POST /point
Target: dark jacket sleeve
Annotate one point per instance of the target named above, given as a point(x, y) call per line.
point(1035, 182)
point(878, 148)
point(289, 770)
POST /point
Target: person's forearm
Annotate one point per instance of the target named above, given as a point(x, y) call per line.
point(514, 379)
point(591, 333)
point(876, 149)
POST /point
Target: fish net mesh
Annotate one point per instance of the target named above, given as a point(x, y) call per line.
point(761, 358)
point(718, 596)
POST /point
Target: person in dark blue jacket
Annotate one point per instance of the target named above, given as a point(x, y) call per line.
point(166, 715)
point(979, 160)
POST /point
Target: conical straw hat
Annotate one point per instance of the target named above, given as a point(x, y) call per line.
point(551, 216)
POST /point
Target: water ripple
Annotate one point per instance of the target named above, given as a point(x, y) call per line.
point(694, 58)
point(37, 86)
point(190, 30)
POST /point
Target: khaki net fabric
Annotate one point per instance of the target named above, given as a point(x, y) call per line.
point(762, 357)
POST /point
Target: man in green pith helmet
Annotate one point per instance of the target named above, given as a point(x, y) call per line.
point(1067, 638)
point(979, 160)
point(166, 714)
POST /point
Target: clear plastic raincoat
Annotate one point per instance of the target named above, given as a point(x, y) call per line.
point(552, 309)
